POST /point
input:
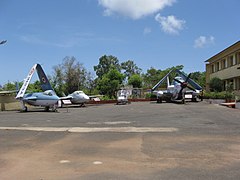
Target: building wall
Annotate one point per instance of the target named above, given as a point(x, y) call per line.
point(226, 66)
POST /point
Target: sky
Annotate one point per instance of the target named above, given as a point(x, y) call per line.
point(152, 33)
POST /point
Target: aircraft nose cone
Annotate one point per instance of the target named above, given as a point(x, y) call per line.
point(86, 97)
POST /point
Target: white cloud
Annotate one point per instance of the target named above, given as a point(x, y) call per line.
point(134, 9)
point(170, 24)
point(203, 41)
point(147, 30)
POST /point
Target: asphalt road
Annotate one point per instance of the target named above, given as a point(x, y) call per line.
point(141, 140)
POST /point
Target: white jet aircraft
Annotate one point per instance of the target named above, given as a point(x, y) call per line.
point(77, 97)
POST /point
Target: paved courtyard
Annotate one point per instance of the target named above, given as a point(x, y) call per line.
point(142, 140)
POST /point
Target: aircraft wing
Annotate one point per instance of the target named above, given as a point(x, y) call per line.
point(161, 81)
point(66, 98)
point(26, 83)
point(8, 92)
point(45, 85)
point(95, 96)
point(190, 81)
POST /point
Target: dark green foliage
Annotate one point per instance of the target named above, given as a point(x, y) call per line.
point(9, 86)
point(105, 64)
point(150, 96)
point(130, 68)
point(216, 84)
point(151, 77)
point(199, 77)
point(34, 87)
point(154, 75)
point(218, 95)
point(135, 80)
point(110, 83)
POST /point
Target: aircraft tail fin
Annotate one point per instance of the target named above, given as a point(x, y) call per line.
point(26, 82)
point(45, 85)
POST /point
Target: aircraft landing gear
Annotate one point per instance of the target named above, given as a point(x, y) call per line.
point(82, 105)
point(183, 101)
point(194, 99)
point(54, 108)
point(159, 100)
point(25, 109)
point(47, 108)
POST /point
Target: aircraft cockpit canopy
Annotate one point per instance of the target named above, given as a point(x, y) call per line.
point(79, 92)
point(48, 93)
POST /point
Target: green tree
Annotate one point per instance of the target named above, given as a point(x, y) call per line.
point(34, 87)
point(154, 75)
point(151, 77)
point(216, 84)
point(110, 82)
point(105, 64)
point(57, 80)
point(9, 86)
point(173, 74)
point(135, 80)
point(69, 76)
point(130, 68)
point(91, 84)
point(199, 77)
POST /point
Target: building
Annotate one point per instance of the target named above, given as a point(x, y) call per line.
point(226, 66)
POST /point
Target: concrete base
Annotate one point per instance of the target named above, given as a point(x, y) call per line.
point(237, 105)
point(215, 101)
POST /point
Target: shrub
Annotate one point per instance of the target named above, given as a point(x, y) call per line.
point(150, 96)
point(216, 84)
point(218, 95)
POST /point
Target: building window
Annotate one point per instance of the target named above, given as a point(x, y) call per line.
point(230, 61)
point(212, 68)
point(238, 57)
point(223, 64)
point(217, 66)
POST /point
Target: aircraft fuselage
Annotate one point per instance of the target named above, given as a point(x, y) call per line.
point(40, 99)
point(79, 97)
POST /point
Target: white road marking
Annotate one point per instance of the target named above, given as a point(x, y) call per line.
point(117, 122)
point(64, 161)
point(94, 123)
point(94, 129)
point(110, 122)
point(97, 162)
